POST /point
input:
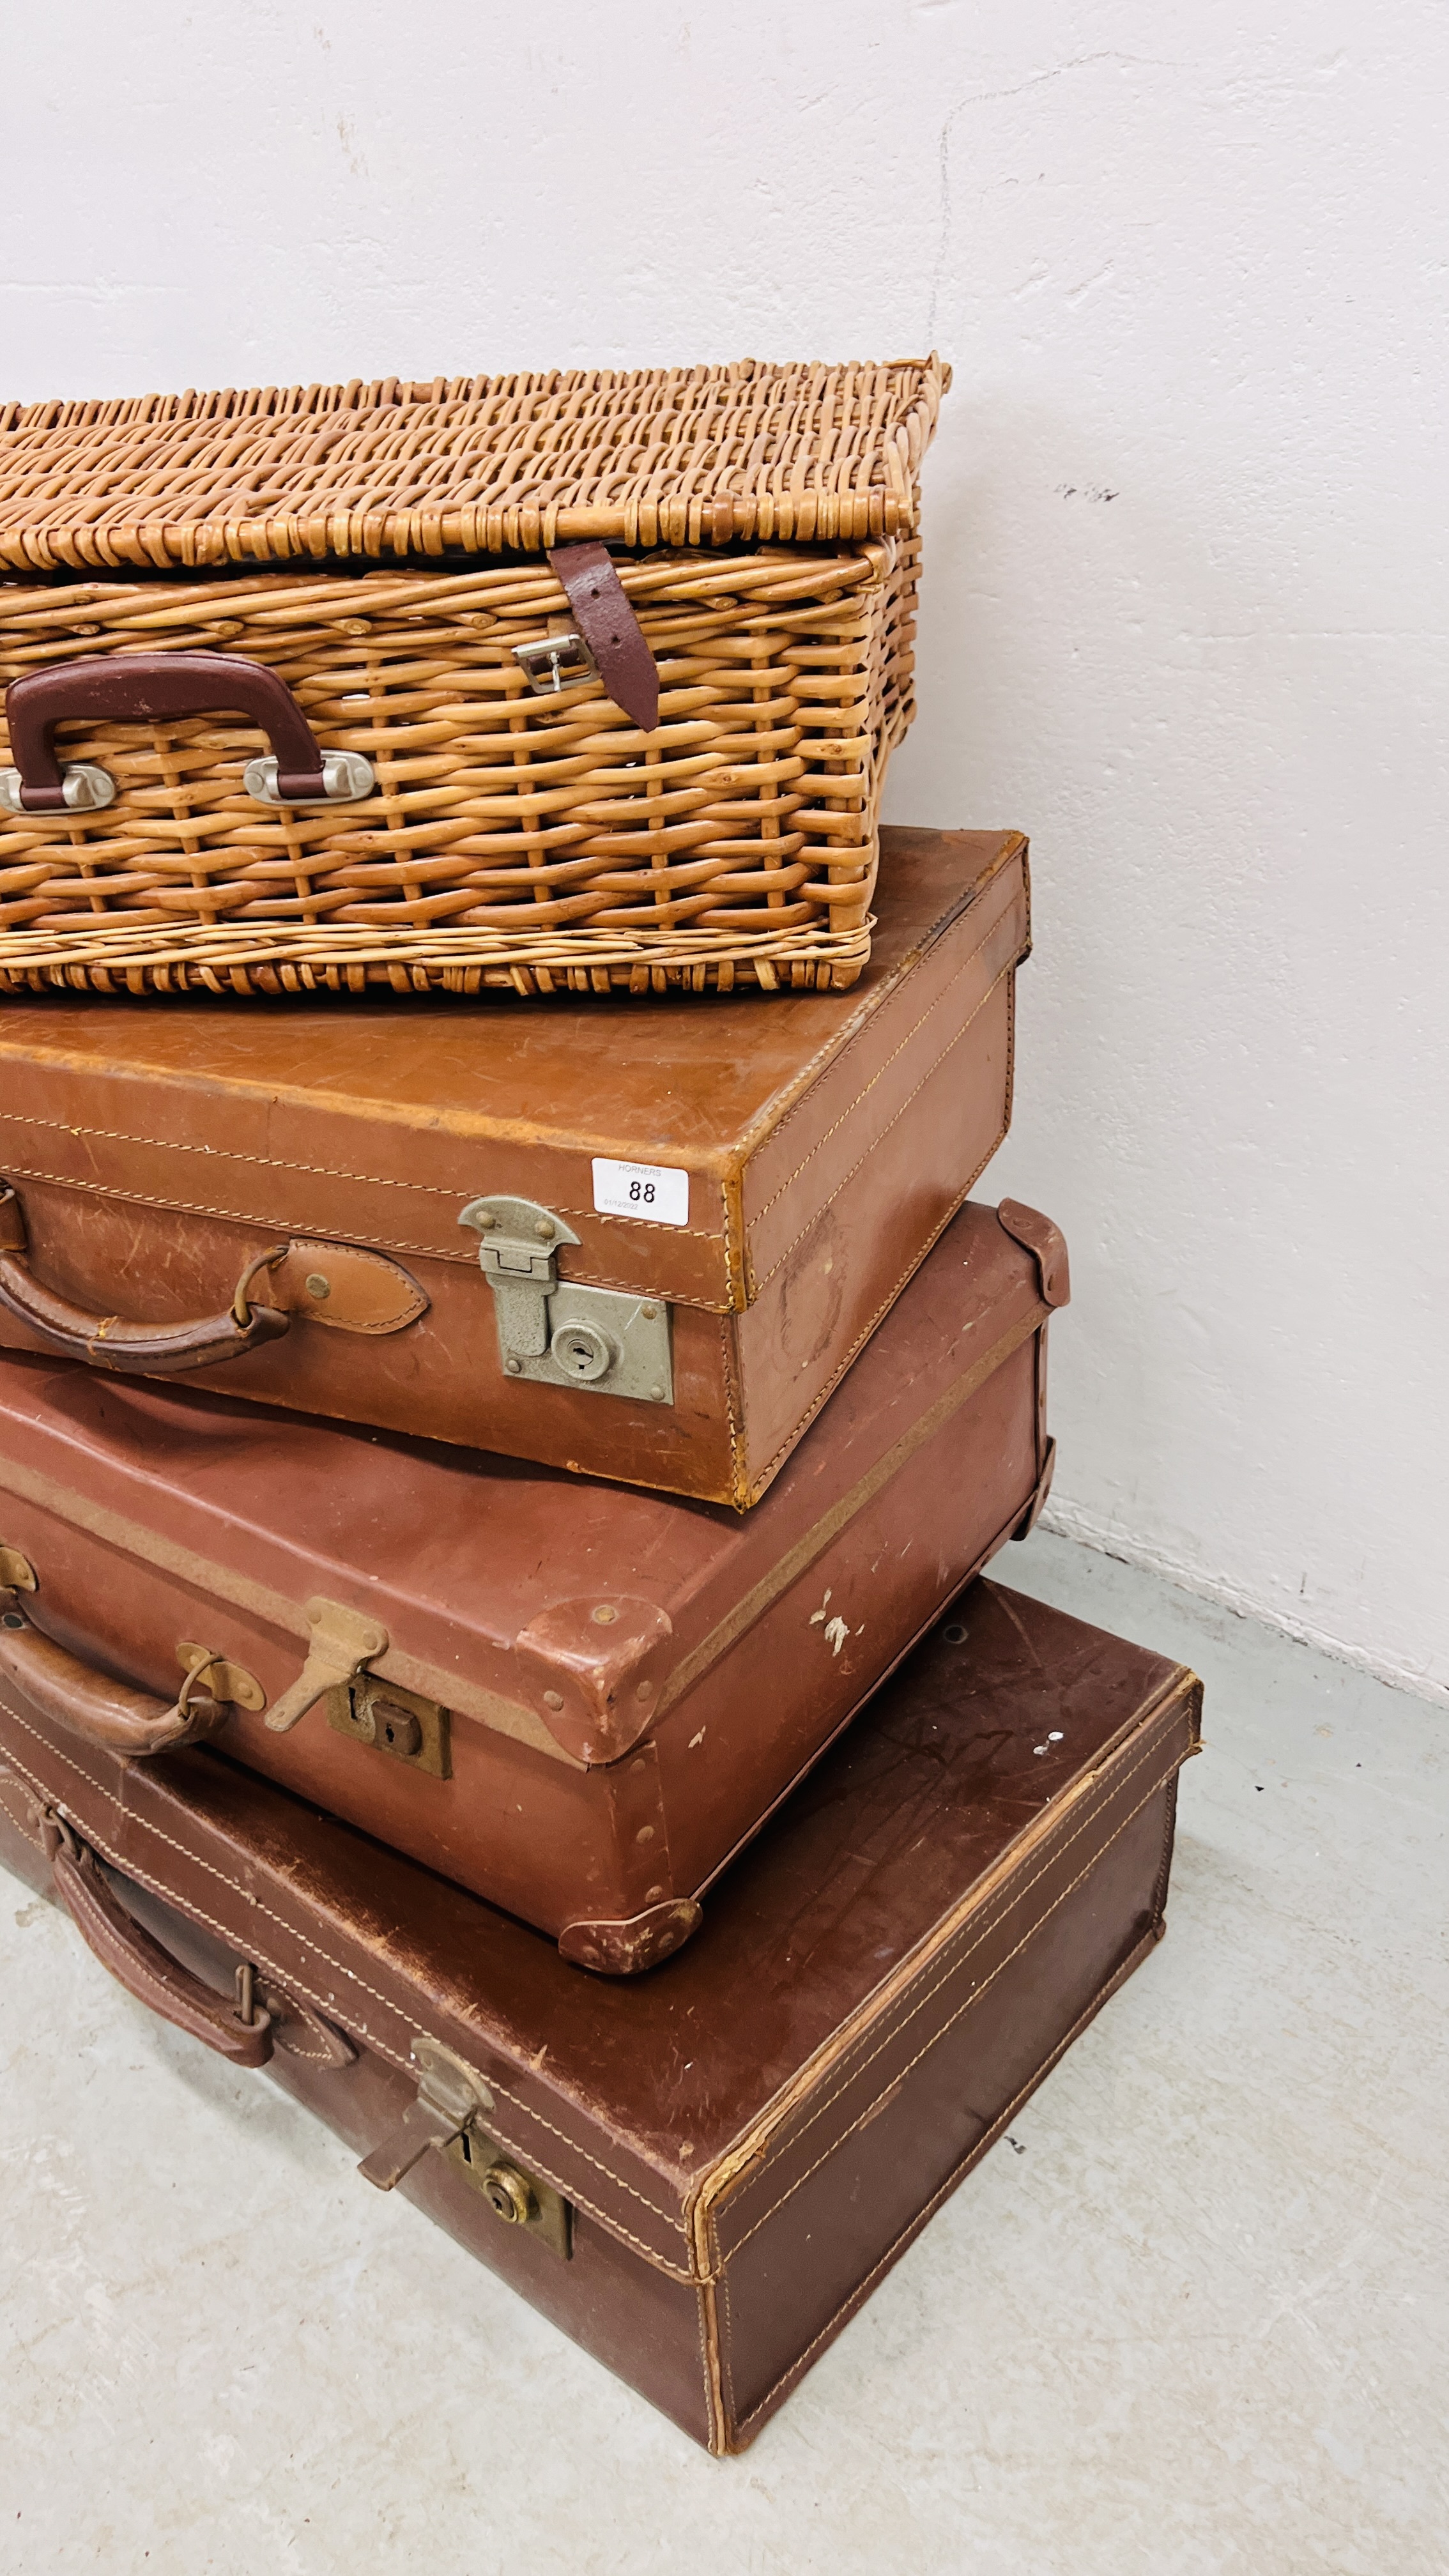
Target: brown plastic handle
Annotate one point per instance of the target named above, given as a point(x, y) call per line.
point(62, 1691)
point(105, 1341)
point(139, 1963)
point(130, 688)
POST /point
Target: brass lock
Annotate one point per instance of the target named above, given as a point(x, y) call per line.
point(393, 1720)
point(448, 2116)
point(507, 2193)
point(520, 2199)
point(387, 1723)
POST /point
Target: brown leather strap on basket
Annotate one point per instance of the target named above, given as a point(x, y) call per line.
point(241, 2032)
point(610, 629)
point(105, 1341)
point(64, 1692)
point(131, 688)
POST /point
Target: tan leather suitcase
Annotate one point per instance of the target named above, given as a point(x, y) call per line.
point(576, 1699)
point(638, 1242)
point(882, 1981)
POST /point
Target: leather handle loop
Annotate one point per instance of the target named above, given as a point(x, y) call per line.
point(106, 1341)
point(64, 1692)
point(139, 1963)
point(133, 688)
point(610, 629)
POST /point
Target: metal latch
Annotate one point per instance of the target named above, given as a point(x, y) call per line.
point(544, 662)
point(554, 1332)
point(448, 2115)
point(343, 1643)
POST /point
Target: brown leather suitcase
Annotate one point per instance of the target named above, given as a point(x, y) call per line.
point(882, 1981)
point(641, 1242)
point(576, 1699)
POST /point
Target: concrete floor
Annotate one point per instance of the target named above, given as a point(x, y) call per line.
point(1190, 2318)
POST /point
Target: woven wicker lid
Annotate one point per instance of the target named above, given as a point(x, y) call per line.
point(490, 464)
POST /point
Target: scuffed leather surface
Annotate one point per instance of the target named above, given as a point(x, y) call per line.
point(827, 1138)
point(759, 1635)
point(751, 2133)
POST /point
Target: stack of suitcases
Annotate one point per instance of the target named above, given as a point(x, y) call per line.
point(505, 1393)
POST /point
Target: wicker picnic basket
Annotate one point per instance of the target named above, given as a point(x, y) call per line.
point(560, 683)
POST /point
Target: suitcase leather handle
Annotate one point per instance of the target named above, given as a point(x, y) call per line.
point(163, 1350)
point(139, 1963)
point(64, 1692)
point(132, 688)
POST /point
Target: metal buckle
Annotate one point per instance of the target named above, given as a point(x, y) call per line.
point(542, 662)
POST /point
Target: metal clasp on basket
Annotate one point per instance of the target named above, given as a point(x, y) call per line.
point(85, 785)
point(347, 776)
point(544, 661)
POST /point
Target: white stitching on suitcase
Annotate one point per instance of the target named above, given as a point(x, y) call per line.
point(862, 2290)
point(841, 1052)
point(377, 1242)
point(883, 1069)
point(932, 1068)
point(738, 2243)
point(23, 1824)
point(919, 2001)
point(131, 1868)
point(711, 2407)
point(294, 1934)
point(264, 1163)
point(726, 2343)
point(739, 1476)
point(883, 1308)
point(232, 1216)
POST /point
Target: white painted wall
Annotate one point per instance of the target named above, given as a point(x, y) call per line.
point(1185, 603)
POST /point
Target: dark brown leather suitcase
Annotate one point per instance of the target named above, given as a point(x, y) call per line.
point(576, 1699)
point(882, 1981)
point(638, 1241)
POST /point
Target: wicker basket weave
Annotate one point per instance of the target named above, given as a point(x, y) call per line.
point(384, 551)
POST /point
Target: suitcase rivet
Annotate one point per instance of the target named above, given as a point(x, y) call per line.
point(656, 1394)
point(553, 1699)
point(544, 1230)
point(645, 1834)
point(653, 1895)
point(605, 1615)
point(317, 1286)
point(649, 1312)
point(12, 1619)
point(513, 1368)
point(645, 1690)
point(954, 1635)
